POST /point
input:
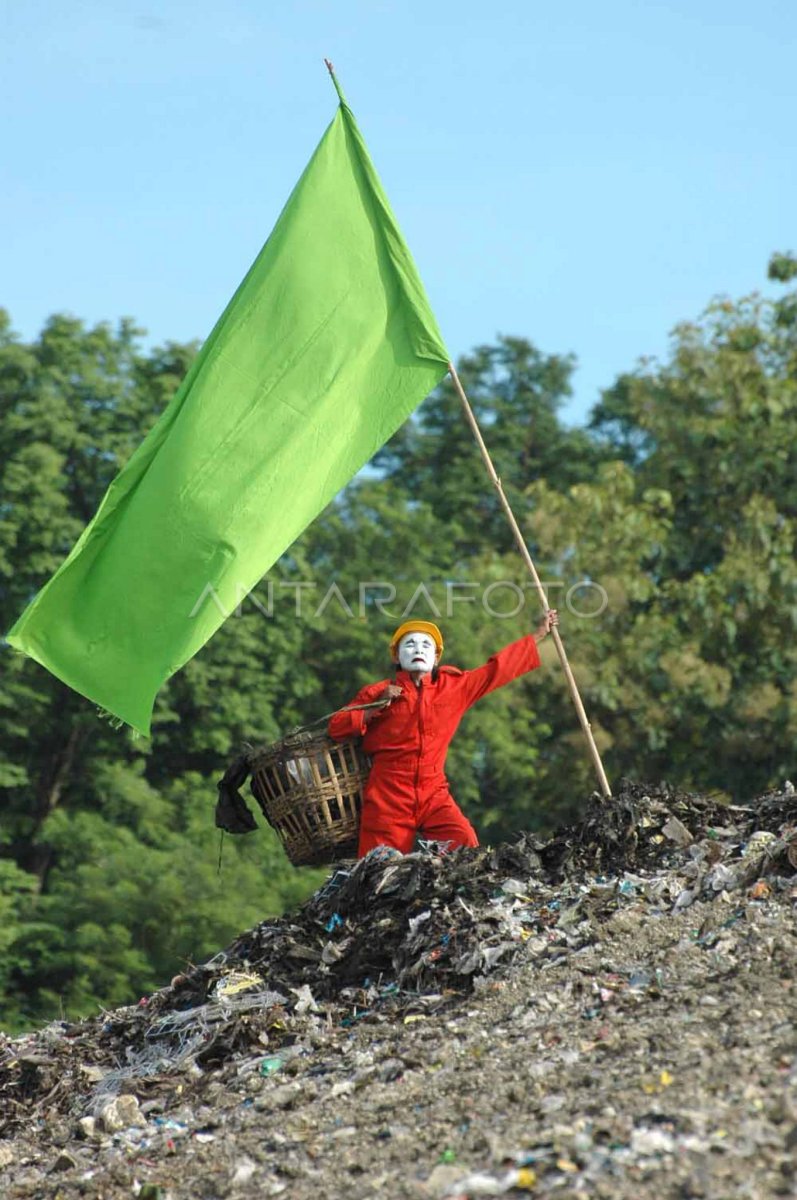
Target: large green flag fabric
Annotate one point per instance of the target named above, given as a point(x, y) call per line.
point(325, 349)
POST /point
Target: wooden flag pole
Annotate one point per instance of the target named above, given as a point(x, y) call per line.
point(524, 551)
point(333, 77)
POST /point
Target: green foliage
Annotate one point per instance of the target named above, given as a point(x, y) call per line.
point(665, 531)
point(782, 267)
point(515, 392)
point(17, 889)
point(113, 837)
point(714, 426)
point(703, 662)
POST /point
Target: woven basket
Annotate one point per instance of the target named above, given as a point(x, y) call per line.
point(310, 790)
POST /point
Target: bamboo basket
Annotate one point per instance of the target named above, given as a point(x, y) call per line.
point(310, 789)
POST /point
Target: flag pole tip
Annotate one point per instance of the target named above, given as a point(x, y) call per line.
point(334, 79)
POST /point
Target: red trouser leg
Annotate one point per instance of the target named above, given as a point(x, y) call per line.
point(386, 833)
point(442, 820)
point(393, 813)
point(388, 817)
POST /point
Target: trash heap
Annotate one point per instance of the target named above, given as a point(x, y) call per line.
point(396, 939)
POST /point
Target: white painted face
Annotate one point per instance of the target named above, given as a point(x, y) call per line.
point(417, 652)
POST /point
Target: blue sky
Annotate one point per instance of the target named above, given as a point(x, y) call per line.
point(585, 175)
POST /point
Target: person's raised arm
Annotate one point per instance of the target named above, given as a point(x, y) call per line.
point(514, 660)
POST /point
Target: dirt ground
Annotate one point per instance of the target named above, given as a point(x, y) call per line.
point(609, 1013)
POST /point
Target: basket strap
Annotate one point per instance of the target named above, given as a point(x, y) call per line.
point(322, 720)
point(348, 708)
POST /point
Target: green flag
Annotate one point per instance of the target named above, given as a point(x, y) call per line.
point(325, 349)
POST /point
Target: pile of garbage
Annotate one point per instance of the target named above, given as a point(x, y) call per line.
point(392, 939)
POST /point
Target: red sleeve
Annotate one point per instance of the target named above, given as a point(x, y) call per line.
point(344, 725)
point(514, 660)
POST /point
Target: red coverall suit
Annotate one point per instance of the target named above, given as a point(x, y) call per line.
point(407, 742)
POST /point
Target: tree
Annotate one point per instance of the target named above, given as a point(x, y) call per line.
point(714, 425)
point(516, 392)
point(690, 672)
point(103, 832)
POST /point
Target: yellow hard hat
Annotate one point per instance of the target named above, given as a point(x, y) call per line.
point(417, 627)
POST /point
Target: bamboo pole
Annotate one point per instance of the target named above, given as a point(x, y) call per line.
point(329, 66)
point(524, 552)
point(523, 548)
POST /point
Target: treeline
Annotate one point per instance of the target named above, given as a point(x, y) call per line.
point(665, 529)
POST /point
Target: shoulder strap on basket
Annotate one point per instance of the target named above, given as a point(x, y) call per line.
point(348, 708)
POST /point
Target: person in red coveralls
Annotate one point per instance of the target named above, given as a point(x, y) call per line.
point(407, 791)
